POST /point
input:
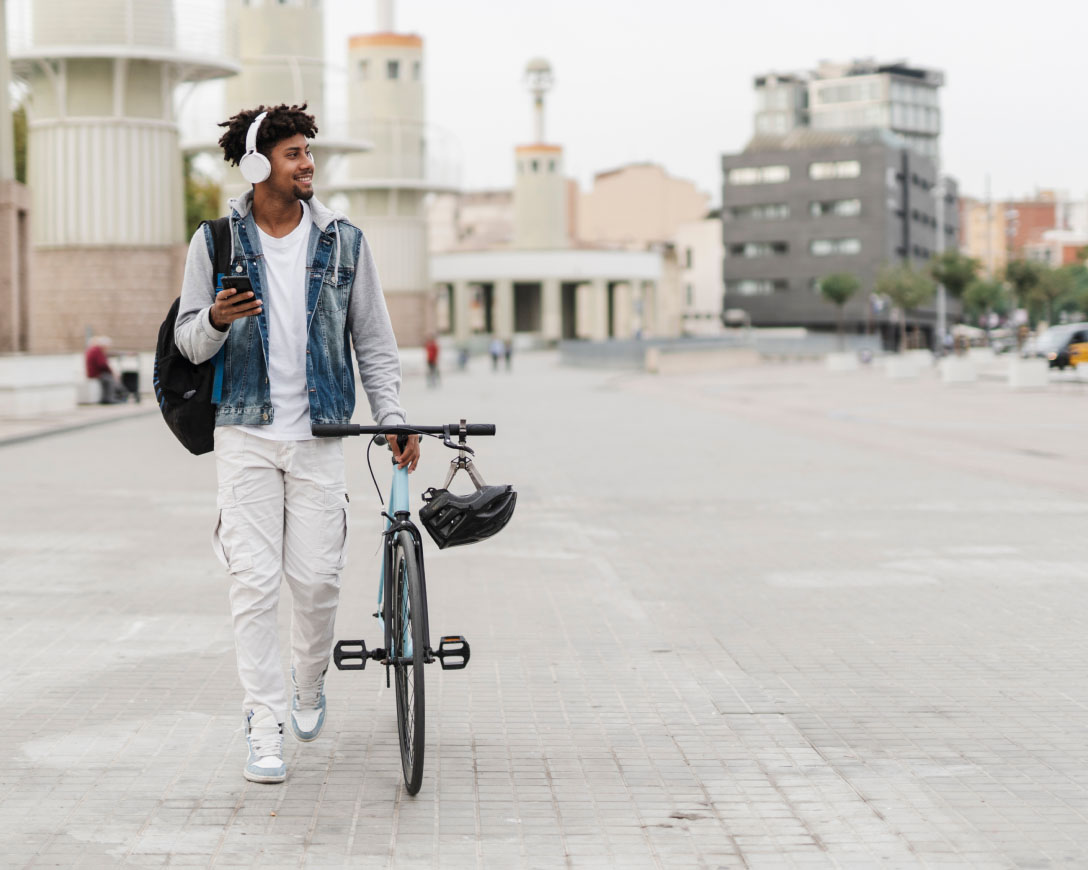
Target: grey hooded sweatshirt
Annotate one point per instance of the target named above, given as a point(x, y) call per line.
point(368, 319)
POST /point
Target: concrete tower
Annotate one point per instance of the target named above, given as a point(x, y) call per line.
point(385, 188)
point(7, 147)
point(282, 49)
point(14, 224)
point(540, 200)
point(103, 163)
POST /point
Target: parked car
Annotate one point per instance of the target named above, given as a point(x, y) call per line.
point(1057, 345)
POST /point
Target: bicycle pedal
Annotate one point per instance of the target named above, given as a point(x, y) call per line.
point(453, 652)
point(350, 655)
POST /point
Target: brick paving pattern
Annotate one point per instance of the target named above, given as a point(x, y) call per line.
point(762, 618)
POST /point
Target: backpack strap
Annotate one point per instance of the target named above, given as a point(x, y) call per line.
point(217, 238)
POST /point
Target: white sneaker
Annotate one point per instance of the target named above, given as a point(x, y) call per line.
point(265, 738)
point(308, 708)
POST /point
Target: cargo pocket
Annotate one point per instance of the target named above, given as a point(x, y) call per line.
point(334, 531)
point(228, 540)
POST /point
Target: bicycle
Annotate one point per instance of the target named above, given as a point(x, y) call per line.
point(402, 592)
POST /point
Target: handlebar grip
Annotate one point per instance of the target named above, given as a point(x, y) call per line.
point(474, 428)
point(334, 430)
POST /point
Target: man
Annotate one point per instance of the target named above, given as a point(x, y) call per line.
point(99, 368)
point(282, 496)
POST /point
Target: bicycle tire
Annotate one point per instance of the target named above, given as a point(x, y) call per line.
point(407, 633)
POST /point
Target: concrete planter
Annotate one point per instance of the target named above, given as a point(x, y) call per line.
point(841, 362)
point(1029, 374)
point(901, 367)
point(958, 370)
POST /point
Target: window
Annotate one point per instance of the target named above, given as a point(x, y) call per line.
point(688, 257)
point(837, 207)
point(536, 166)
point(417, 68)
point(551, 166)
point(690, 293)
point(392, 69)
point(759, 175)
point(830, 247)
point(759, 249)
point(362, 71)
point(834, 169)
point(756, 287)
point(774, 211)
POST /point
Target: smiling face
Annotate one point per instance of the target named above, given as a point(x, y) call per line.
point(292, 169)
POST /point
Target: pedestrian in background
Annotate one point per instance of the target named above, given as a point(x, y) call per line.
point(431, 350)
point(497, 349)
point(508, 352)
point(98, 368)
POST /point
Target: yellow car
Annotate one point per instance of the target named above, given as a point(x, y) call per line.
point(1078, 353)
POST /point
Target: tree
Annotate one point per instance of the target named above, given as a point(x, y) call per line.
point(18, 118)
point(1052, 285)
point(954, 271)
point(201, 198)
point(984, 297)
point(837, 289)
point(1023, 275)
point(908, 290)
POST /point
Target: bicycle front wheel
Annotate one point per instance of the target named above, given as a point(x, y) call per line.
point(407, 630)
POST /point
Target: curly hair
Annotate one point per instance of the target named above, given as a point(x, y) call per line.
point(283, 122)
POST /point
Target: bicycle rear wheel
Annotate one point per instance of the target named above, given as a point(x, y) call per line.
point(407, 630)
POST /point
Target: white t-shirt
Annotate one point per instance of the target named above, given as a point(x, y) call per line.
point(285, 309)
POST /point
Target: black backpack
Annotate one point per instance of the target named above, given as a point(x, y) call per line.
point(185, 391)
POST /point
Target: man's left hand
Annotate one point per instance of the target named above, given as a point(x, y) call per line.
point(409, 457)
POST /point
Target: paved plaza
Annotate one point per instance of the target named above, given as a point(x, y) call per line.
point(767, 617)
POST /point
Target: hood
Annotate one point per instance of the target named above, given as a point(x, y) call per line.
point(320, 214)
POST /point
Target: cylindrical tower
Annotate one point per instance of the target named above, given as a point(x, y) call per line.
point(103, 163)
point(540, 190)
point(385, 188)
point(7, 145)
point(282, 49)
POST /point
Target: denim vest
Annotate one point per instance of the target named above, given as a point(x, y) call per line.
point(330, 376)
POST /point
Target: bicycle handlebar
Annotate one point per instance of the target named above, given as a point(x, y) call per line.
point(336, 430)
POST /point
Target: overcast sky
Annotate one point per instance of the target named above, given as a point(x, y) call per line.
point(671, 82)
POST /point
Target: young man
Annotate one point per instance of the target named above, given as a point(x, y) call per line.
point(286, 364)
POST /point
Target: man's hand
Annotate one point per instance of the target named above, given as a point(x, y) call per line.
point(407, 457)
point(230, 305)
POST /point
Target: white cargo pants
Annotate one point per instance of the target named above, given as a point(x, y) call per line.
point(282, 513)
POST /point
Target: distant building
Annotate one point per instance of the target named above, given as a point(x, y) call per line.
point(636, 206)
point(995, 232)
point(799, 207)
point(510, 268)
point(861, 94)
point(699, 254)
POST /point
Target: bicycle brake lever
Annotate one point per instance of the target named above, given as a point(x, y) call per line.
point(449, 443)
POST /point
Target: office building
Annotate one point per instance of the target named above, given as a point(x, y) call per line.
point(799, 207)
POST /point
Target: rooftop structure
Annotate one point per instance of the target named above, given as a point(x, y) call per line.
point(895, 96)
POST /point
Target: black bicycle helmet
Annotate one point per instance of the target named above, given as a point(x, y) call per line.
point(453, 520)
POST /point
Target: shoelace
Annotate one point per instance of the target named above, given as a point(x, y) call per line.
point(266, 740)
point(309, 696)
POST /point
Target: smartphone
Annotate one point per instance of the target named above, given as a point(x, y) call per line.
point(236, 282)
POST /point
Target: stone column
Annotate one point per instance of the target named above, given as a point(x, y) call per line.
point(599, 296)
point(502, 314)
point(551, 316)
point(461, 297)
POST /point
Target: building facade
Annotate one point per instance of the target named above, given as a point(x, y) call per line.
point(799, 207)
point(636, 206)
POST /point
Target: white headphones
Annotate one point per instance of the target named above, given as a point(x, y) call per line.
point(254, 165)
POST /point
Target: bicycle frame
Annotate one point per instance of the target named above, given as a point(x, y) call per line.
point(397, 520)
